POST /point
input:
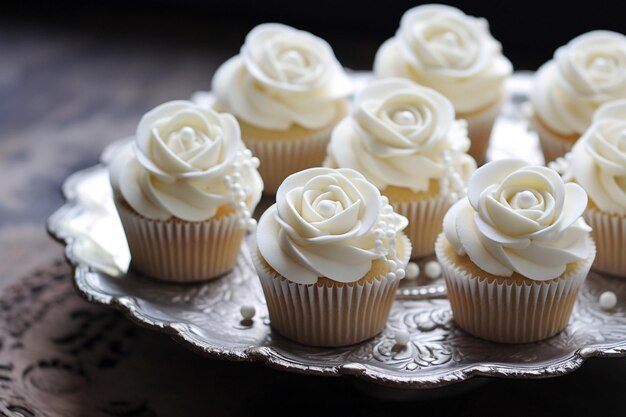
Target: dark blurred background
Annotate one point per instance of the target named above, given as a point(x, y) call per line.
point(528, 30)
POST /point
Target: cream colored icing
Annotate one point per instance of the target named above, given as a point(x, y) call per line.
point(282, 77)
point(402, 134)
point(598, 159)
point(178, 163)
point(443, 48)
point(328, 223)
point(588, 71)
point(519, 218)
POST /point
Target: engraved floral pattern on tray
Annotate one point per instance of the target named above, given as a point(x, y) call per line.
point(206, 317)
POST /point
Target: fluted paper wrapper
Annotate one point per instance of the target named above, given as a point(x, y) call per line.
point(179, 251)
point(609, 233)
point(509, 311)
point(425, 222)
point(552, 145)
point(327, 315)
point(479, 127)
point(283, 157)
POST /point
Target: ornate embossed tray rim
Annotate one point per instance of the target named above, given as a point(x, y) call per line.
point(132, 307)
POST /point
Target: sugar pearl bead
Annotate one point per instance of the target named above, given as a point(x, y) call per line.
point(247, 311)
point(412, 270)
point(391, 276)
point(608, 300)
point(432, 269)
point(325, 208)
point(293, 57)
point(400, 273)
point(402, 338)
point(187, 133)
point(404, 118)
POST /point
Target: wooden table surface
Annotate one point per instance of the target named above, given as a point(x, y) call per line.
point(64, 95)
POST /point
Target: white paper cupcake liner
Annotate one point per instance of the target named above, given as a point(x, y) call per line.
point(552, 145)
point(327, 315)
point(509, 311)
point(179, 251)
point(609, 233)
point(479, 128)
point(425, 222)
point(283, 157)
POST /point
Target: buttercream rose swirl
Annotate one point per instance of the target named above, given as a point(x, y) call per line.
point(587, 72)
point(298, 62)
point(598, 161)
point(181, 140)
point(398, 133)
point(282, 77)
point(444, 38)
point(441, 47)
point(181, 155)
point(322, 225)
point(519, 218)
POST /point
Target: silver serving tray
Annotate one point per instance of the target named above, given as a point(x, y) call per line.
point(206, 317)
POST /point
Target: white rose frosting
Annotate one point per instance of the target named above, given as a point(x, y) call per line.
point(186, 162)
point(519, 218)
point(588, 71)
point(598, 160)
point(441, 47)
point(327, 223)
point(282, 77)
point(403, 135)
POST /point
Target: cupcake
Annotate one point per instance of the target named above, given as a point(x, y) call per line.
point(287, 91)
point(442, 48)
point(598, 164)
point(587, 72)
point(330, 254)
point(515, 252)
point(404, 139)
point(185, 190)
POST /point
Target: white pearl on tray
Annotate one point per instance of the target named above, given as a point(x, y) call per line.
point(412, 270)
point(432, 269)
point(402, 338)
point(608, 300)
point(247, 311)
